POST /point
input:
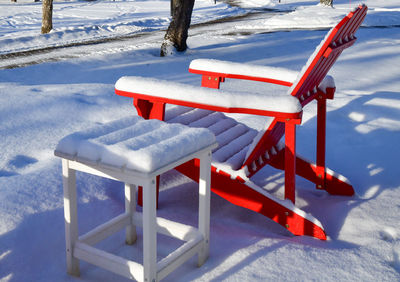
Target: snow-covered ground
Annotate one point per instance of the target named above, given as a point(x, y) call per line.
point(41, 103)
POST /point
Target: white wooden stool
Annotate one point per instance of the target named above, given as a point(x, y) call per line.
point(136, 151)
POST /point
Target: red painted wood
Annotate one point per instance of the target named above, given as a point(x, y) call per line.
point(308, 170)
point(290, 161)
point(321, 141)
point(143, 107)
point(236, 190)
point(238, 193)
point(149, 110)
point(237, 76)
point(321, 67)
point(157, 111)
point(210, 81)
point(339, 48)
point(270, 138)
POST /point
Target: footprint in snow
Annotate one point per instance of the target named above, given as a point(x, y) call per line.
point(396, 257)
point(21, 161)
point(6, 173)
point(390, 235)
point(15, 164)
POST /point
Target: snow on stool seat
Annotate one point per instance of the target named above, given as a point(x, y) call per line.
point(134, 144)
point(135, 151)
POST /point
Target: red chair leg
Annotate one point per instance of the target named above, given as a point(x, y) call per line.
point(290, 161)
point(321, 142)
point(335, 184)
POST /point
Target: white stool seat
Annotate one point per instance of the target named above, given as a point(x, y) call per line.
point(135, 151)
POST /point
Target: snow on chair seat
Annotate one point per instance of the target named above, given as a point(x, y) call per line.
point(234, 138)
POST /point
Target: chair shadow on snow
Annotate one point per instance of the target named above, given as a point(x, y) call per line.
point(364, 127)
point(361, 145)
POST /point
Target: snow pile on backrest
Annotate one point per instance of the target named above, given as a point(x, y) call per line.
point(207, 96)
point(226, 67)
point(134, 143)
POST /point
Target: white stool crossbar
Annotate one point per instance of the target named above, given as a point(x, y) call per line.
point(196, 240)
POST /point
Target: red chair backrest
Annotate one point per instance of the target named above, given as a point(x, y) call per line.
point(338, 38)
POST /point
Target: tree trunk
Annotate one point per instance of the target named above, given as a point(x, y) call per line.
point(327, 2)
point(47, 16)
point(177, 33)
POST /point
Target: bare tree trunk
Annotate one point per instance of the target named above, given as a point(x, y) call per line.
point(47, 16)
point(13, 0)
point(177, 33)
point(327, 2)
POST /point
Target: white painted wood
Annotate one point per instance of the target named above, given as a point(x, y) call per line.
point(179, 256)
point(150, 231)
point(70, 216)
point(106, 172)
point(196, 239)
point(105, 230)
point(113, 263)
point(130, 208)
point(170, 228)
point(131, 176)
point(204, 205)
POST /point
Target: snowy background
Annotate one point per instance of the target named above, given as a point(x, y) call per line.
point(47, 92)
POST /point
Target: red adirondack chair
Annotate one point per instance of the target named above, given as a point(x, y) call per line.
point(244, 151)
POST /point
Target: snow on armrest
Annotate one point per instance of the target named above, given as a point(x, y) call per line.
point(327, 82)
point(244, 71)
point(187, 95)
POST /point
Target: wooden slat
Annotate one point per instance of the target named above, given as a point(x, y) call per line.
point(178, 257)
point(105, 230)
point(113, 263)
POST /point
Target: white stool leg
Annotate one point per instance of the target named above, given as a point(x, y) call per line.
point(150, 231)
point(130, 208)
point(70, 216)
point(204, 205)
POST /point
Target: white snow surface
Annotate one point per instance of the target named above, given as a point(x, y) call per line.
point(83, 21)
point(134, 143)
point(276, 102)
point(42, 103)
